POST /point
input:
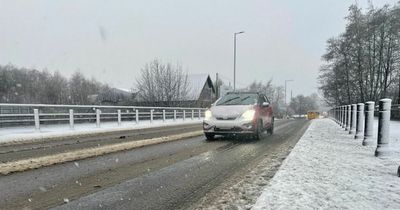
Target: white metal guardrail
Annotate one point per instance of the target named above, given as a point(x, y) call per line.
point(38, 114)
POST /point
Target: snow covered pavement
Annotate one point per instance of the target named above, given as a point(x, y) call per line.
point(28, 133)
point(329, 169)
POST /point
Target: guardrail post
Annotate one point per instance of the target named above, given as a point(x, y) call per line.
point(199, 113)
point(348, 119)
point(137, 116)
point(174, 115)
point(360, 121)
point(340, 115)
point(71, 119)
point(336, 115)
point(98, 117)
point(151, 115)
point(369, 123)
point(163, 115)
point(37, 119)
point(398, 171)
point(382, 148)
point(353, 119)
point(343, 117)
point(184, 115)
point(192, 114)
point(119, 117)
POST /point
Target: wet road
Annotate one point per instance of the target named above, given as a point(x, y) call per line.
point(164, 176)
point(50, 146)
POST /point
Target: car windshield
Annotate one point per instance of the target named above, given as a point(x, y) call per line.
point(238, 99)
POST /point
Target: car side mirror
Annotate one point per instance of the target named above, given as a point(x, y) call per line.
point(265, 104)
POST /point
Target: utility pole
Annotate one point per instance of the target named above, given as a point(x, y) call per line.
point(234, 58)
point(286, 81)
point(291, 95)
point(217, 86)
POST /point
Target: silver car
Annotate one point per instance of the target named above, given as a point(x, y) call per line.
point(246, 113)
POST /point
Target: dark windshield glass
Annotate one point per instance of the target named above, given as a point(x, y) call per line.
point(238, 99)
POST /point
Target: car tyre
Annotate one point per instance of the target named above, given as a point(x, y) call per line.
point(209, 136)
point(259, 131)
point(271, 129)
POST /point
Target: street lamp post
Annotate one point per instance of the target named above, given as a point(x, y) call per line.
point(286, 81)
point(234, 58)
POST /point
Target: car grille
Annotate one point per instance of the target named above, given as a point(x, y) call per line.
point(228, 129)
point(225, 118)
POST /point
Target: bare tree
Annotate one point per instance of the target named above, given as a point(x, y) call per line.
point(23, 85)
point(302, 104)
point(363, 63)
point(274, 93)
point(162, 84)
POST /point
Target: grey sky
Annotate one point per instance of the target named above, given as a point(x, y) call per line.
point(112, 40)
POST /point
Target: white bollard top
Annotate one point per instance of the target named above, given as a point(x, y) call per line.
point(386, 104)
point(369, 106)
point(360, 107)
point(386, 100)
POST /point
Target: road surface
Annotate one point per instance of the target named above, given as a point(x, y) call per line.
point(171, 175)
point(50, 146)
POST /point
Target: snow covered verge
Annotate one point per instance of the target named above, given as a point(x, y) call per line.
point(329, 169)
point(17, 134)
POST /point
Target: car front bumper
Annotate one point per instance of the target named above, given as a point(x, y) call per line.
point(229, 127)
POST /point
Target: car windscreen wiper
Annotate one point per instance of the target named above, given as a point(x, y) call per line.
point(229, 100)
point(245, 98)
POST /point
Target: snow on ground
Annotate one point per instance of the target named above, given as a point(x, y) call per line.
point(24, 133)
point(394, 134)
point(241, 190)
point(329, 169)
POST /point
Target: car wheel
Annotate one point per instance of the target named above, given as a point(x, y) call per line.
point(209, 136)
point(258, 134)
point(271, 129)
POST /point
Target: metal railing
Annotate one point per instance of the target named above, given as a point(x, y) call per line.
point(39, 114)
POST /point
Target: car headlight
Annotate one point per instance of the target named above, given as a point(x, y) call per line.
point(249, 114)
point(208, 114)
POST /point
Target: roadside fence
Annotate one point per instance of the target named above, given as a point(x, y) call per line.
point(37, 115)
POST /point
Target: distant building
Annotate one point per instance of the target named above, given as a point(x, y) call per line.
point(112, 96)
point(201, 90)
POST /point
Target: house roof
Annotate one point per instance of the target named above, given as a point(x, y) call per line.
point(124, 90)
point(196, 84)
